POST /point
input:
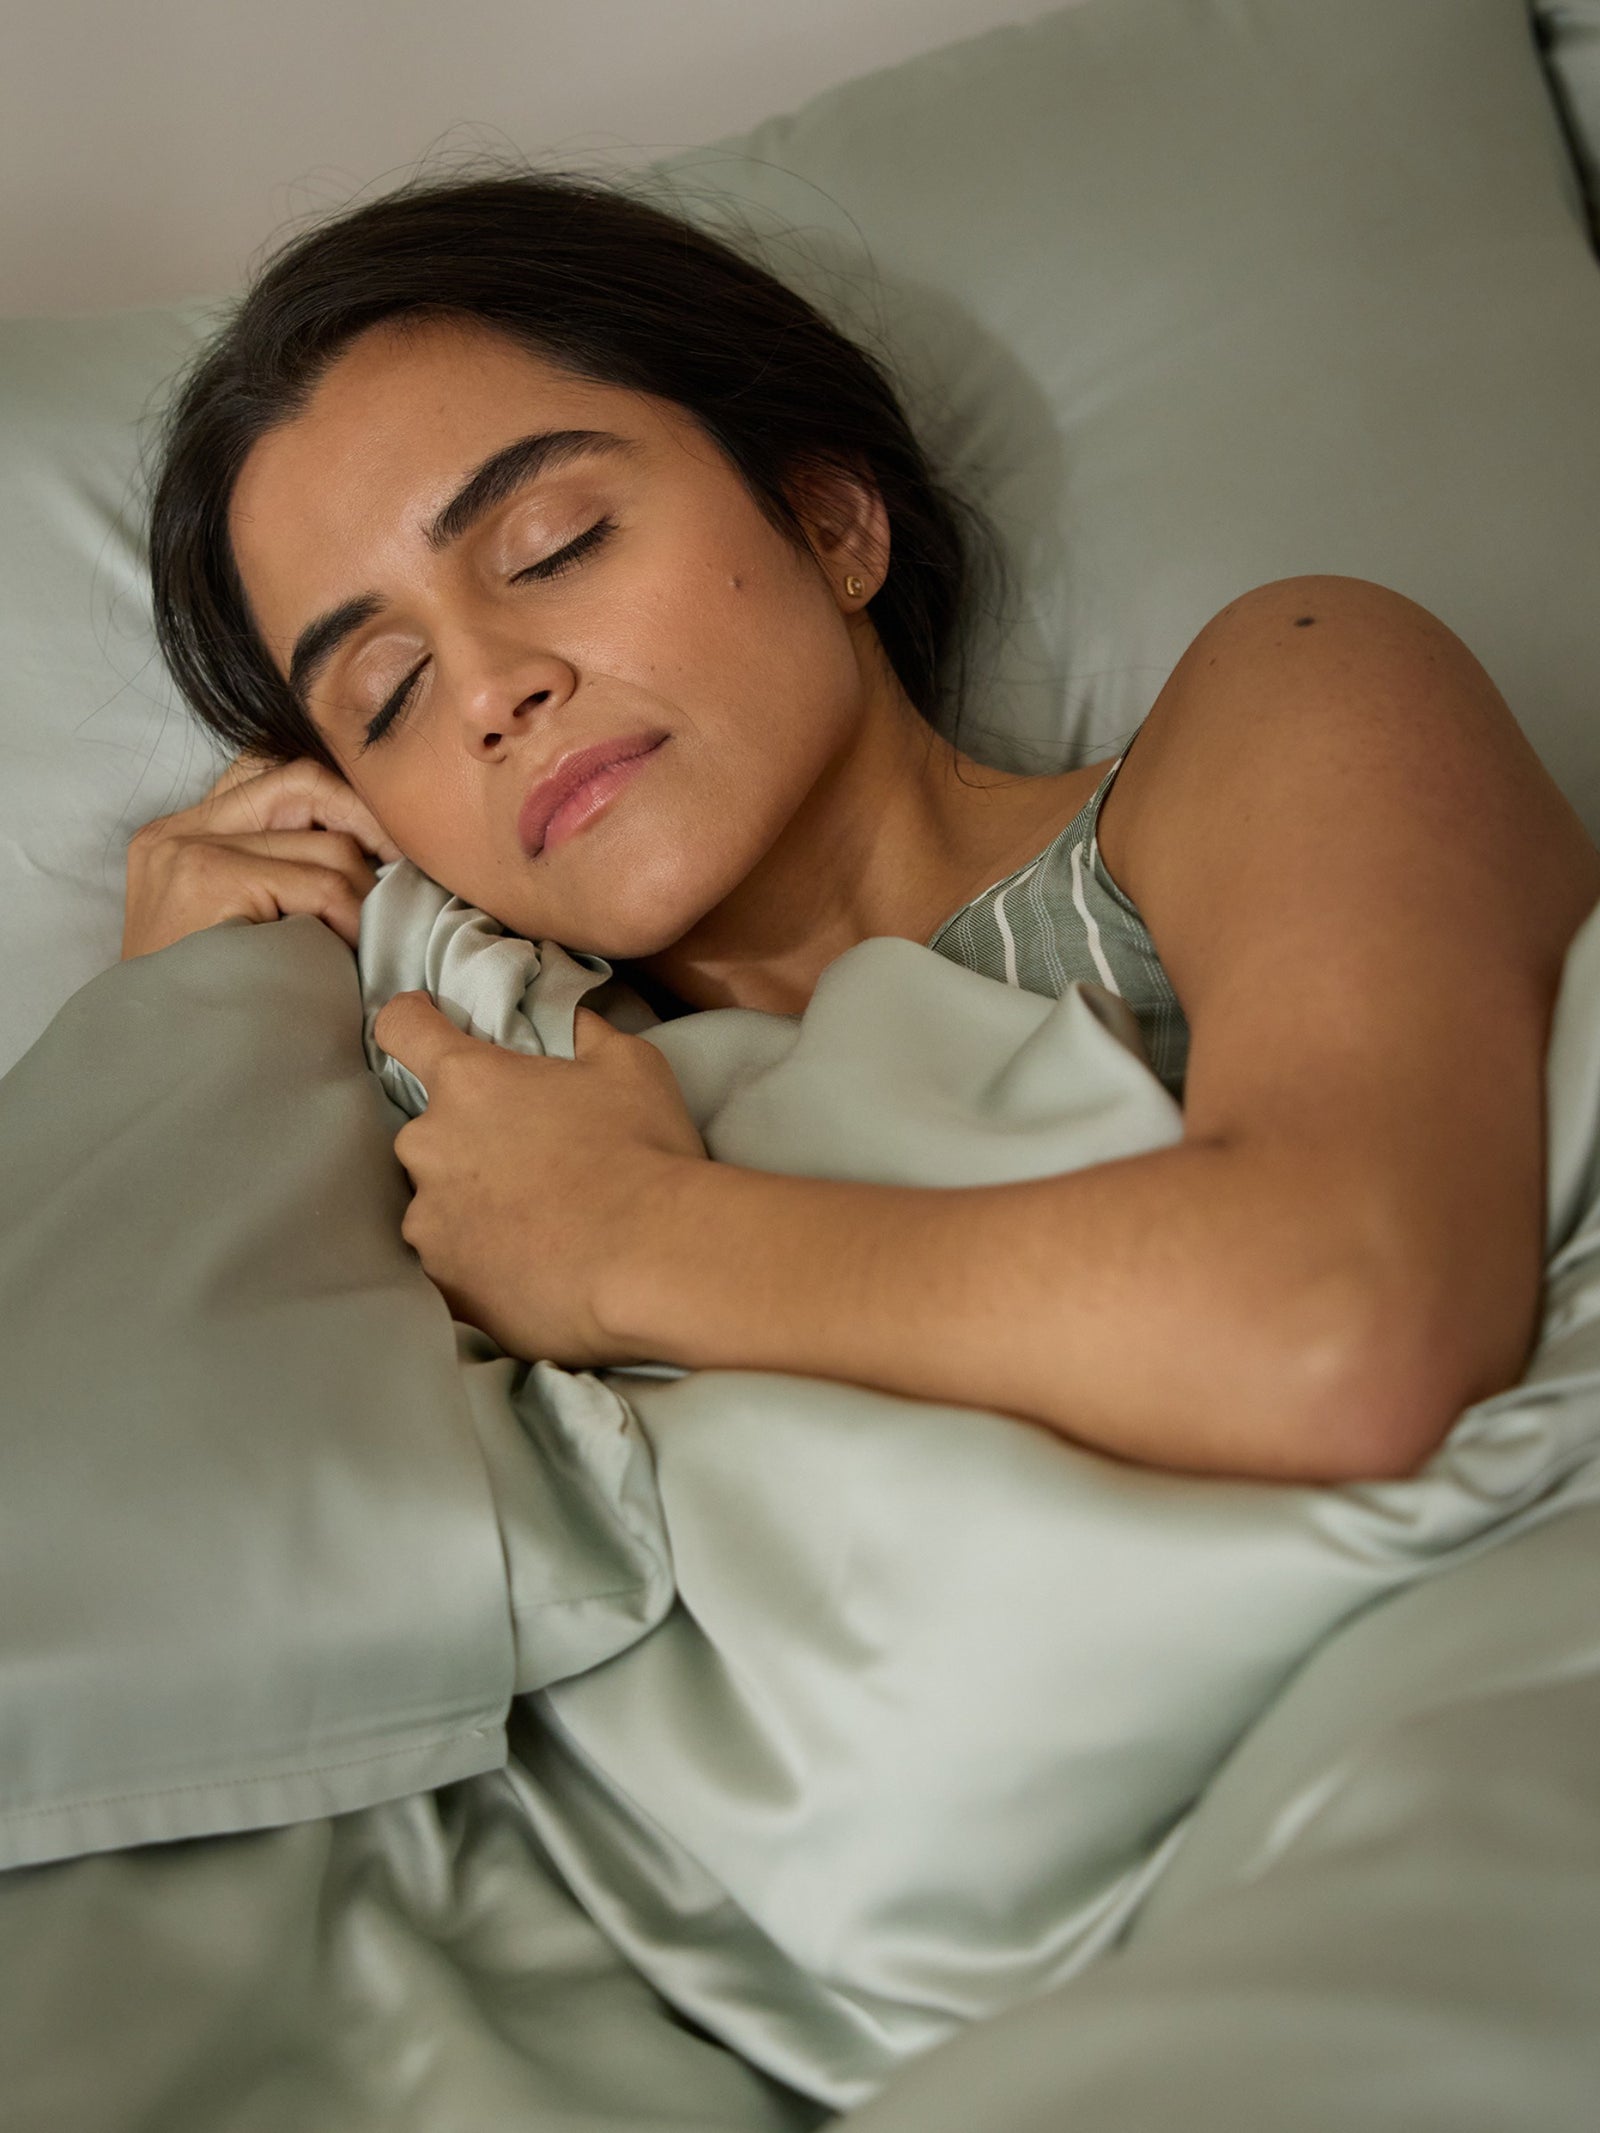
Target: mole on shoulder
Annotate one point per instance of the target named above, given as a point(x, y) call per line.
point(1304, 622)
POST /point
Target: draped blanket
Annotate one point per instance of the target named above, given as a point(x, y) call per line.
point(848, 1720)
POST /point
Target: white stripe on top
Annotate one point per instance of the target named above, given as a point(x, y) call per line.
point(1090, 926)
point(1007, 938)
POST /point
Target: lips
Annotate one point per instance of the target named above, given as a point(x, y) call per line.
point(571, 772)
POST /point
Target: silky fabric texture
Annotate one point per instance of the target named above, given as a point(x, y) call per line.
point(250, 1568)
point(414, 1967)
point(1385, 1914)
point(398, 1965)
point(253, 1478)
point(940, 1688)
point(1413, 1827)
point(1568, 35)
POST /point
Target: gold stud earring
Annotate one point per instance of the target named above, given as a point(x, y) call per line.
point(854, 586)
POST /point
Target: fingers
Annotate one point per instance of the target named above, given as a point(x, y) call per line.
point(291, 889)
point(323, 872)
point(253, 794)
point(328, 849)
point(414, 1029)
point(179, 884)
point(267, 841)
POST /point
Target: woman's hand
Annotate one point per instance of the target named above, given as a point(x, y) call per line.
point(529, 1173)
point(267, 840)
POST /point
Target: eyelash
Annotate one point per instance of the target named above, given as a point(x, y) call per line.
point(551, 566)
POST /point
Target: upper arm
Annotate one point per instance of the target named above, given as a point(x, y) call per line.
point(1362, 883)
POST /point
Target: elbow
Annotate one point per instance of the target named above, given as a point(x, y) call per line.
point(1376, 1395)
point(1374, 1433)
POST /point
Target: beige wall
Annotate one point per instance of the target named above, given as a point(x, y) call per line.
point(148, 147)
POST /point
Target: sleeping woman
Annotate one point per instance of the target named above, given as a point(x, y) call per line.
point(517, 527)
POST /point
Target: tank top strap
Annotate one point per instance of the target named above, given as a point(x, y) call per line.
point(1097, 867)
point(1061, 917)
point(1084, 820)
point(1096, 802)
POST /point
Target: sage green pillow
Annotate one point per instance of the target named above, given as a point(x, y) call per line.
point(1569, 37)
point(1193, 296)
point(1189, 295)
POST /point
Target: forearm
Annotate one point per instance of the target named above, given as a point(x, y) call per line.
point(1174, 1309)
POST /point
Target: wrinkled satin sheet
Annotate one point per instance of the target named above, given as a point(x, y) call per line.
point(485, 1696)
point(938, 1690)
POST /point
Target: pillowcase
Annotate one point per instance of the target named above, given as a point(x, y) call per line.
point(93, 741)
point(1569, 37)
point(1190, 295)
point(1193, 296)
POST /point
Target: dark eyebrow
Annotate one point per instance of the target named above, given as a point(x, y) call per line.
point(506, 471)
point(319, 640)
point(499, 476)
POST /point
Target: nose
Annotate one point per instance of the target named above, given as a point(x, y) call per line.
point(483, 733)
point(504, 690)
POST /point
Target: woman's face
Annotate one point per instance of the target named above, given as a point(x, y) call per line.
point(397, 535)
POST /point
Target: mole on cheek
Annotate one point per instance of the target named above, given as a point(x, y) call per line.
point(1304, 622)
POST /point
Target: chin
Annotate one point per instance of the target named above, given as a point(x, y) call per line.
point(652, 903)
point(621, 943)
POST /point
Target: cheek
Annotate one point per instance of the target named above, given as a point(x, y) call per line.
point(725, 593)
point(762, 662)
point(427, 821)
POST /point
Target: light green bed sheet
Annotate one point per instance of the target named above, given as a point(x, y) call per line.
point(851, 1721)
point(938, 1691)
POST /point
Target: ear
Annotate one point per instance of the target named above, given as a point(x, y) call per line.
point(845, 519)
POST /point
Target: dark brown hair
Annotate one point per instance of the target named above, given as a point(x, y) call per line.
point(609, 287)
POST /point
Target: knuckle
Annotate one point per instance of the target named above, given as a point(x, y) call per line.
point(327, 782)
point(238, 772)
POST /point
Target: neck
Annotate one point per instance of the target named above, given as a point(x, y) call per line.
point(898, 833)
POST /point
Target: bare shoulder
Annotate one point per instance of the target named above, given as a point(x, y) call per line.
point(1362, 883)
point(1325, 747)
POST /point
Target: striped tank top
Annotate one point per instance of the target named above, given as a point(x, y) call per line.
point(1062, 917)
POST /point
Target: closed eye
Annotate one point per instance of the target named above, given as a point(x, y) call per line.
point(550, 566)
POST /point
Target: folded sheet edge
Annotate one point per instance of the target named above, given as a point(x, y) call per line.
point(218, 1807)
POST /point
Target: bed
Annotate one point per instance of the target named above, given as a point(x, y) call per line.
point(1190, 295)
